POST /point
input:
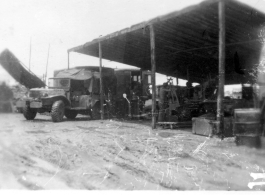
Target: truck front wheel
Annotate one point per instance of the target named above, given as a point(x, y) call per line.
point(28, 113)
point(70, 114)
point(57, 112)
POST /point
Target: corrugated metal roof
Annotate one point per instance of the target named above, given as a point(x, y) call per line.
point(188, 40)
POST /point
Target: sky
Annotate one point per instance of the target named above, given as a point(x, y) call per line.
point(65, 24)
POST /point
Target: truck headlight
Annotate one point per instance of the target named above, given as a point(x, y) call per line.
point(26, 95)
point(45, 95)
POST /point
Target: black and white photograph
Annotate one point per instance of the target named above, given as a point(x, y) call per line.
point(132, 95)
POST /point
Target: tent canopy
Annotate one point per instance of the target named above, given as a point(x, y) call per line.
point(15, 68)
point(186, 43)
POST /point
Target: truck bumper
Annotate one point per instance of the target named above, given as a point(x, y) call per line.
point(21, 104)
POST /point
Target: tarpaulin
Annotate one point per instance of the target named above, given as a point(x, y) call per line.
point(77, 74)
point(15, 68)
point(83, 73)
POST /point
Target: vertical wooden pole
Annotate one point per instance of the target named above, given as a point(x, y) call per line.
point(101, 85)
point(68, 53)
point(188, 74)
point(177, 78)
point(202, 90)
point(153, 76)
point(220, 106)
point(47, 65)
point(29, 53)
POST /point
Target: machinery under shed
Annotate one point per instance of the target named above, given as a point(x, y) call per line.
point(216, 40)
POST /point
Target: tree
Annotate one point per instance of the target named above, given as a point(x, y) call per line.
point(6, 93)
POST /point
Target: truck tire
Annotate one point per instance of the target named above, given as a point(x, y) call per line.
point(95, 112)
point(57, 112)
point(70, 114)
point(28, 113)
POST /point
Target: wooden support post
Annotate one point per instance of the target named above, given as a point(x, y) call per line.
point(153, 76)
point(188, 74)
point(220, 106)
point(177, 78)
point(202, 90)
point(101, 84)
point(47, 65)
point(68, 53)
point(29, 53)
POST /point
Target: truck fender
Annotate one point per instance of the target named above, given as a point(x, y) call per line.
point(93, 103)
point(51, 99)
point(97, 103)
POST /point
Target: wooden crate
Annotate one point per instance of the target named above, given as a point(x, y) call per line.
point(208, 127)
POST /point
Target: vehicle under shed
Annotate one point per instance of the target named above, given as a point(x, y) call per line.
point(216, 39)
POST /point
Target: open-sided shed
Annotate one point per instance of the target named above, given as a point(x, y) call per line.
point(191, 43)
point(186, 41)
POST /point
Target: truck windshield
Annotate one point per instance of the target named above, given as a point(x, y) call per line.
point(59, 83)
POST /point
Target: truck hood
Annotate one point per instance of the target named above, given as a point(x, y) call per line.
point(42, 92)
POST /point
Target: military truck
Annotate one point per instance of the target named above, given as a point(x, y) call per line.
point(70, 92)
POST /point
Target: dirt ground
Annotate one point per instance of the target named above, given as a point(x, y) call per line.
point(109, 154)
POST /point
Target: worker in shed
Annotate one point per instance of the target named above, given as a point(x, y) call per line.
point(87, 88)
point(163, 92)
point(197, 94)
point(189, 91)
point(136, 89)
point(211, 89)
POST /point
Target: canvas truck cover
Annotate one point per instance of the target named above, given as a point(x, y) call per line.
point(77, 74)
point(15, 68)
point(83, 73)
